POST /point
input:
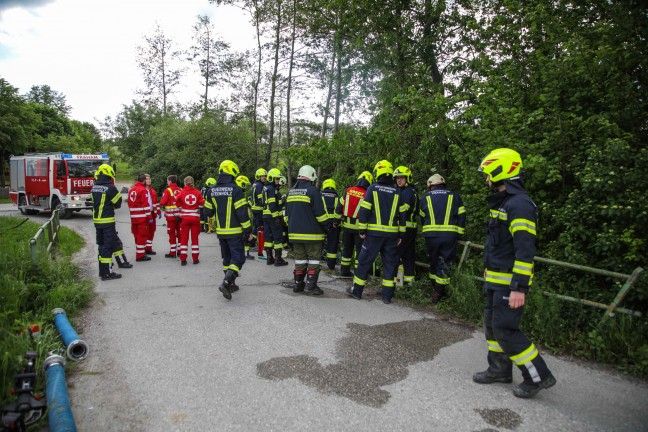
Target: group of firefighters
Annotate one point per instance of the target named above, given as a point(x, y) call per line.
point(378, 215)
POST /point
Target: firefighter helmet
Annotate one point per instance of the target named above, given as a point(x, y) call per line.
point(501, 164)
point(106, 170)
point(211, 181)
point(436, 179)
point(383, 168)
point(329, 184)
point(260, 173)
point(308, 172)
point(229, 167)
point(282, 181)
point(367, 176)
point(403, 171)
point(242, 181)
point(273, 174)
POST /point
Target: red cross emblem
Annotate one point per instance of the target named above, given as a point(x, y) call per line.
point(132, 196)
point(190, 200)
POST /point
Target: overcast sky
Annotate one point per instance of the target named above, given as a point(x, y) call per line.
point(86, 49)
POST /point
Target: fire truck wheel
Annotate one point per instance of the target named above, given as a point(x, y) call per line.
point(22, 202)
point(64, 213)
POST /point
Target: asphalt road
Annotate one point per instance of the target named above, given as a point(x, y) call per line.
point(169, 353)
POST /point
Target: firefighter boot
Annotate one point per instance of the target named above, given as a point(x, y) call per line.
point(299, 276)
point(387, 293)
point(543, 378)
point(311, 282)
point(438, 294)
point(500, 370)
point(122, 262)
point(270, 259)
point(228, 281)
point(345, 271)
point(355, 291)
point(278, 261)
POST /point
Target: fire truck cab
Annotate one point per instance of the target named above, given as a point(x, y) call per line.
point(49, 181)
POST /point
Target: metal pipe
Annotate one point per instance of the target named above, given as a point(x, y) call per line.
point(59, 412)
point(76, 348)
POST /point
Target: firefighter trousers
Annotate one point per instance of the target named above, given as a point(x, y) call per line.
point(257, 219)
point(332, 242)
point(273, 233)
point(232, 253)
point(140, 232)
point(351, 242)
point(173, 230)
point(107, 242)
point(502, 331)
point(407, 256)
point(442, 252)
point(190, 226)
point(371, 247)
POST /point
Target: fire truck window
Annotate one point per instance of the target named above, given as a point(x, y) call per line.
point(82, 168)
point(60, 169)
point(36, 168)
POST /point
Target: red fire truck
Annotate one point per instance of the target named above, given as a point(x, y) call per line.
point(49, 181)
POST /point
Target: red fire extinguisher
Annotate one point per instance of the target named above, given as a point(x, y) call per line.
point(260, 243)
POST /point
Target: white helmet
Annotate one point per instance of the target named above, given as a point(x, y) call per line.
point(308, 172)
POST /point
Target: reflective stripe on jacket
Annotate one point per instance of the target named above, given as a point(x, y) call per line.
point(410, 206)
point(442, 213)
point(168, 201)
point(307, 217)
point(256, 196)
point(380, 213)
point(105, 199)
point(138, 204)
point(271, 205)
point(189, 200)
point(331, 201)
point(226, 200)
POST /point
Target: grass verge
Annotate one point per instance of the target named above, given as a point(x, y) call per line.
point(29, 293)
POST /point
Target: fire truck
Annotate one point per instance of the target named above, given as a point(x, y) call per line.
point(50, 181)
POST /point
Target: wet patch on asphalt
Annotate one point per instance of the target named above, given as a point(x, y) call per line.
point(370, 357)
point(501, 417)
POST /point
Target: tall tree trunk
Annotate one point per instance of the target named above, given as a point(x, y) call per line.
point(338, 83)
point(164, 91)
point(206, 97)
point(289, 89)
point(327, 107)
point(273, 87)
point(257, 22)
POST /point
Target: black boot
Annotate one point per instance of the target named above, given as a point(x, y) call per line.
point(311, 283)
point(228, 281)
point(500, 370)
point(345, 271)
point(270, 259)
point(122, 262)
point(278, 261)
point(528, 389)
point(439, 293)
point(299, 276)
point(387, 293)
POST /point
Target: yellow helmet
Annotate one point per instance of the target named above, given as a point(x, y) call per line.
point(383, 167)
point(104, 169)
point(211, 181)
point(242, 181)
point(403, 171)
point(273, 174)
point(229, 167)
point(367, 176)
point(329, 184)
point(501, 164)
point(260, 173)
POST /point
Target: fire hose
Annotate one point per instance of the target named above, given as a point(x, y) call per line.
point(59, 412)
point(76, 348)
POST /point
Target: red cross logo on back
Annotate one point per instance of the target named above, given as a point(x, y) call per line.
point(132, 196)
point(190, 200)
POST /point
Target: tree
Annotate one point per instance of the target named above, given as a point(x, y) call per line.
point(43, 94)
point(158, 60)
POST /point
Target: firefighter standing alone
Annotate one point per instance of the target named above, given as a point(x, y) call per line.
point(105, 199)
point(508, 258)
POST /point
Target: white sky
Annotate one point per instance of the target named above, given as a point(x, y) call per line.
point(86, 49)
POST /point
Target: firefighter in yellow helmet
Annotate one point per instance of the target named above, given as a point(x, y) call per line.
point(226, 202)
point(204, 220)
point(256, 198)
point(348, 208)
point(331, 201)
point(508, 257)
point(409, 197)
point(273, 220)
point(382, 223)
point(105, 199)
point(243, 182)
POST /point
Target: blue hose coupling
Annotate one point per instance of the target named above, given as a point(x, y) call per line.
point(76, 348)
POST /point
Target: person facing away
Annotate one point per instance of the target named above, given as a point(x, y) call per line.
point(155, 212)
point(273, 219)
point(189, 201)
point(508, 258)
point(331, 201)
point(172, 215)
point(141, 217)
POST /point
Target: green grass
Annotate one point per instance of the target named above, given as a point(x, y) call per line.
point(29, 293)
point(5, 201)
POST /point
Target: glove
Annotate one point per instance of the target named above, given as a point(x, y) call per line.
point(178, 219)
point(151, 220)
point(159, 215)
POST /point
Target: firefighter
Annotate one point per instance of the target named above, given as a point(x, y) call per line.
point(281, 198)
point(226, 202)
point(443, 221)
point(155, 211)
point(140, 213)
point(189, 200)
point(348, 207)
point(243, 182)
point(105, 199)
point(273, 219)
point(407, 246)
point(204, 220)
point(508, 257)
point(307, 226)
point(256, 196)
point(381, 224)
point(172, 215)
point(331, 201)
